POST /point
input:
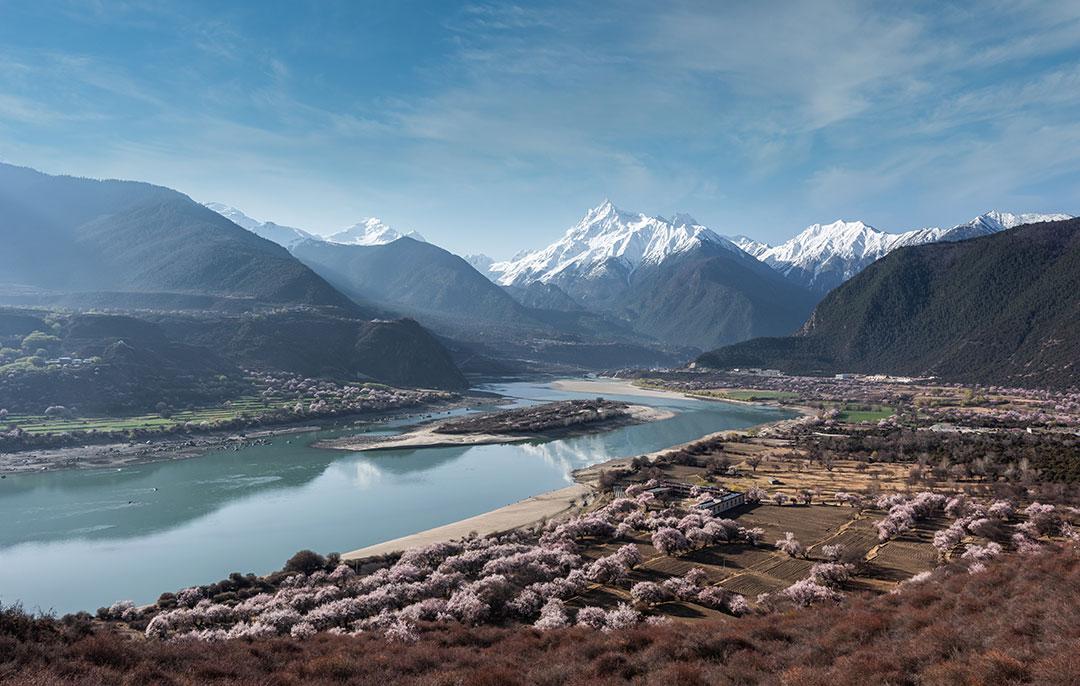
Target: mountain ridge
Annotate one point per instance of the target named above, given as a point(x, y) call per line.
point(822, 256)
point(999, 308)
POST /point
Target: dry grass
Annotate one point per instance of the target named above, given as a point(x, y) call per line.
point(1015, 623)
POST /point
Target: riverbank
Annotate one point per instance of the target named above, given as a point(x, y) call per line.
point(521, 514)
point(551, 504)
point(124, 454)
point(429, 436)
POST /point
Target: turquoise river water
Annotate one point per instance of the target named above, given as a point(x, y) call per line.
point(79, 539)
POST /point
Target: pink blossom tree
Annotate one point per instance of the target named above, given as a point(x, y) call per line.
point(790, 545)
point(670, 541)
point(648, 593)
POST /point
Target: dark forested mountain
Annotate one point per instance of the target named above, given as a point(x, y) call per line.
point(110, 363)
point(318, 343)
point(65, 235)
point(105, 363)
point(711, 295)
point(1003, 309)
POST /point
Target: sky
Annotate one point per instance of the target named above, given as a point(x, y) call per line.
point(493, 127)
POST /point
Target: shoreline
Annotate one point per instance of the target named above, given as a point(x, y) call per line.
point(549, 504)
point(127, 454)
point(517, 515)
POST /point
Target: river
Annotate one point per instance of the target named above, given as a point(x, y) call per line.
point(79, 539)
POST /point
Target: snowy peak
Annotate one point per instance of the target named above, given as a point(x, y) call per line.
point(234, 215)
point(482, 263)
point(608, 238)
point(749, 245)
point(370, 231)
point(285, 236)
point(823, 256)
point(848, 240)
point(1000, 221)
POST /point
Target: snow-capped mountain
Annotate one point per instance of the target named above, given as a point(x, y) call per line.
point(481, 263)
point(823, 256)
point(370, 231)
point(285, 236)
point(749, 245)
point(607, 242)
point(671, 279)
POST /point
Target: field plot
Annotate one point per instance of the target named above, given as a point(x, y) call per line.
point(859, 536)
point(872, 414)
point(810, 524)
point(753, 570)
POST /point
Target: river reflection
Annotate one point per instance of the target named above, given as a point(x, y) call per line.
point(80, 539)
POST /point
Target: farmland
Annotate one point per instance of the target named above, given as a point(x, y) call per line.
point(230, 410)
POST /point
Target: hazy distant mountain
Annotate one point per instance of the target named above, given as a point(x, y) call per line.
point(672, 279)
point(1001, 308)
point(72, 235)
point(285, 236)
point(370, 231)
point(482, 263)
point(749, 245)
point(823, 256)
point(447, 294)
point(412, 277)
point(545, 296)
point(82, 243)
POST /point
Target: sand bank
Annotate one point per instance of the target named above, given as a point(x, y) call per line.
point(611, 387)
point(520, 514)
point(428, 437)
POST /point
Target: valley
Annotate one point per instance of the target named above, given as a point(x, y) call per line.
point(202, 518)
point(444, 343)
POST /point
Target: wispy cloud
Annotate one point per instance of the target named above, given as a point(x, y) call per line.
point(754, 116)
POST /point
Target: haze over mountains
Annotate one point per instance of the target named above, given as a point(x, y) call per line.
point(615, 277)
point(130, 242)
point(153, 253)
point(1002, 308)
point(618, 276)
point(367, 231)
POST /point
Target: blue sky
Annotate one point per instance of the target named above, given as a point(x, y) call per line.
point(492, 127)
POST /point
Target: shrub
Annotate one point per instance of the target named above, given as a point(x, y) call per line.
point(305, 562)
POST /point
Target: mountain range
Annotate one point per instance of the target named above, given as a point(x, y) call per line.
point(823, 256)
point(154, 253)
point(367, 231)
point(448, 295)
point(672, 279)
point(620, 277)
point(1001, 308)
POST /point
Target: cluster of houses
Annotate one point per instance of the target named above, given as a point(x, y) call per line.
point(716, 499)
point(68, 361)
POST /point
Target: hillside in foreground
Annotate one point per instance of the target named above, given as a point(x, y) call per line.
point(1005, 625)
point(998, 309)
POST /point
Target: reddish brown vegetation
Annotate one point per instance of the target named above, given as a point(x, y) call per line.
point(1017, 622)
